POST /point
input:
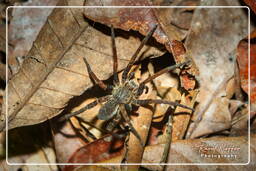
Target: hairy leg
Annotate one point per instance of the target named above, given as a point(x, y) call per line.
point(133, 58)
point(88, 106)
point(127, 120)
point(158, 101)
point(115, 62)
point(94, 77)
point(167, 69)
point(106, 131)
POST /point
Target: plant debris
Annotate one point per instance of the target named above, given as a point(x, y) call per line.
point(48, 78)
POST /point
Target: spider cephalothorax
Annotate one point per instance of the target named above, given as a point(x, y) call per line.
point(121, 94)
point(124, 92)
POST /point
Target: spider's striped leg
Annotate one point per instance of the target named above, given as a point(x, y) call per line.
point(88, 106)
point(127, 120)
point(158, 101)
point(133, 58)
point(95, 78)
point(115, 62)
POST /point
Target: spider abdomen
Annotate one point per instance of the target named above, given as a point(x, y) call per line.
point(108, 110)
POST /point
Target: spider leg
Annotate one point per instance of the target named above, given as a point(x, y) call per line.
point(95, 78)
point(140, 90)
point(132, 60)
point(115, 63)
point(158, 101)
point(114, 122)
point(88, 106)
point(114, 134)
point(167, 69)
point(127, 119)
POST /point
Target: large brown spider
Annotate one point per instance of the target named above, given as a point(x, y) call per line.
point(124, 92)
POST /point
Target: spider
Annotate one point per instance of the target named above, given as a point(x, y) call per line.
point(124, 92)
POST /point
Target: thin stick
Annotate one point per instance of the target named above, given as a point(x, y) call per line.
point(168, 138)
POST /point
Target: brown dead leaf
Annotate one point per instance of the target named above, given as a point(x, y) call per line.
point(217, 118)
point(25, 146)
point(45, 155)
point(251, 4)
point(143, 20)
point(182, 116)
point(66, 142)
point(182, 16)
point(209, 150)
point(24, 27)
point(231, 150)
point(240, 122)
point(100, 150)
point(24, 94)
point(230, 89)
point(140, 19)
point(166, 86)
point(242, 59)
point(56, 73)
point(212, 41)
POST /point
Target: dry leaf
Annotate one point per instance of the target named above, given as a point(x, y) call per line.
point(46, 155)
point(166, 86)
point(182, 117)
point(66, 142)
point(143, 20)
point(51, 45)
point(101, 149)
point(251, 4)
point(25, 146)
point(211, 57)
point(240, 122)
point(208, 150)
point(23, 29)
point(56, 73)
point(242, 59)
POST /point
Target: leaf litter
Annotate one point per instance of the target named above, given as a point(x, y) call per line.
point(53, 73)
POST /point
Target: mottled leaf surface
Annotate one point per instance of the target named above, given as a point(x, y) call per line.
point(215, 60)
point(54, 71)
point(182, 151)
